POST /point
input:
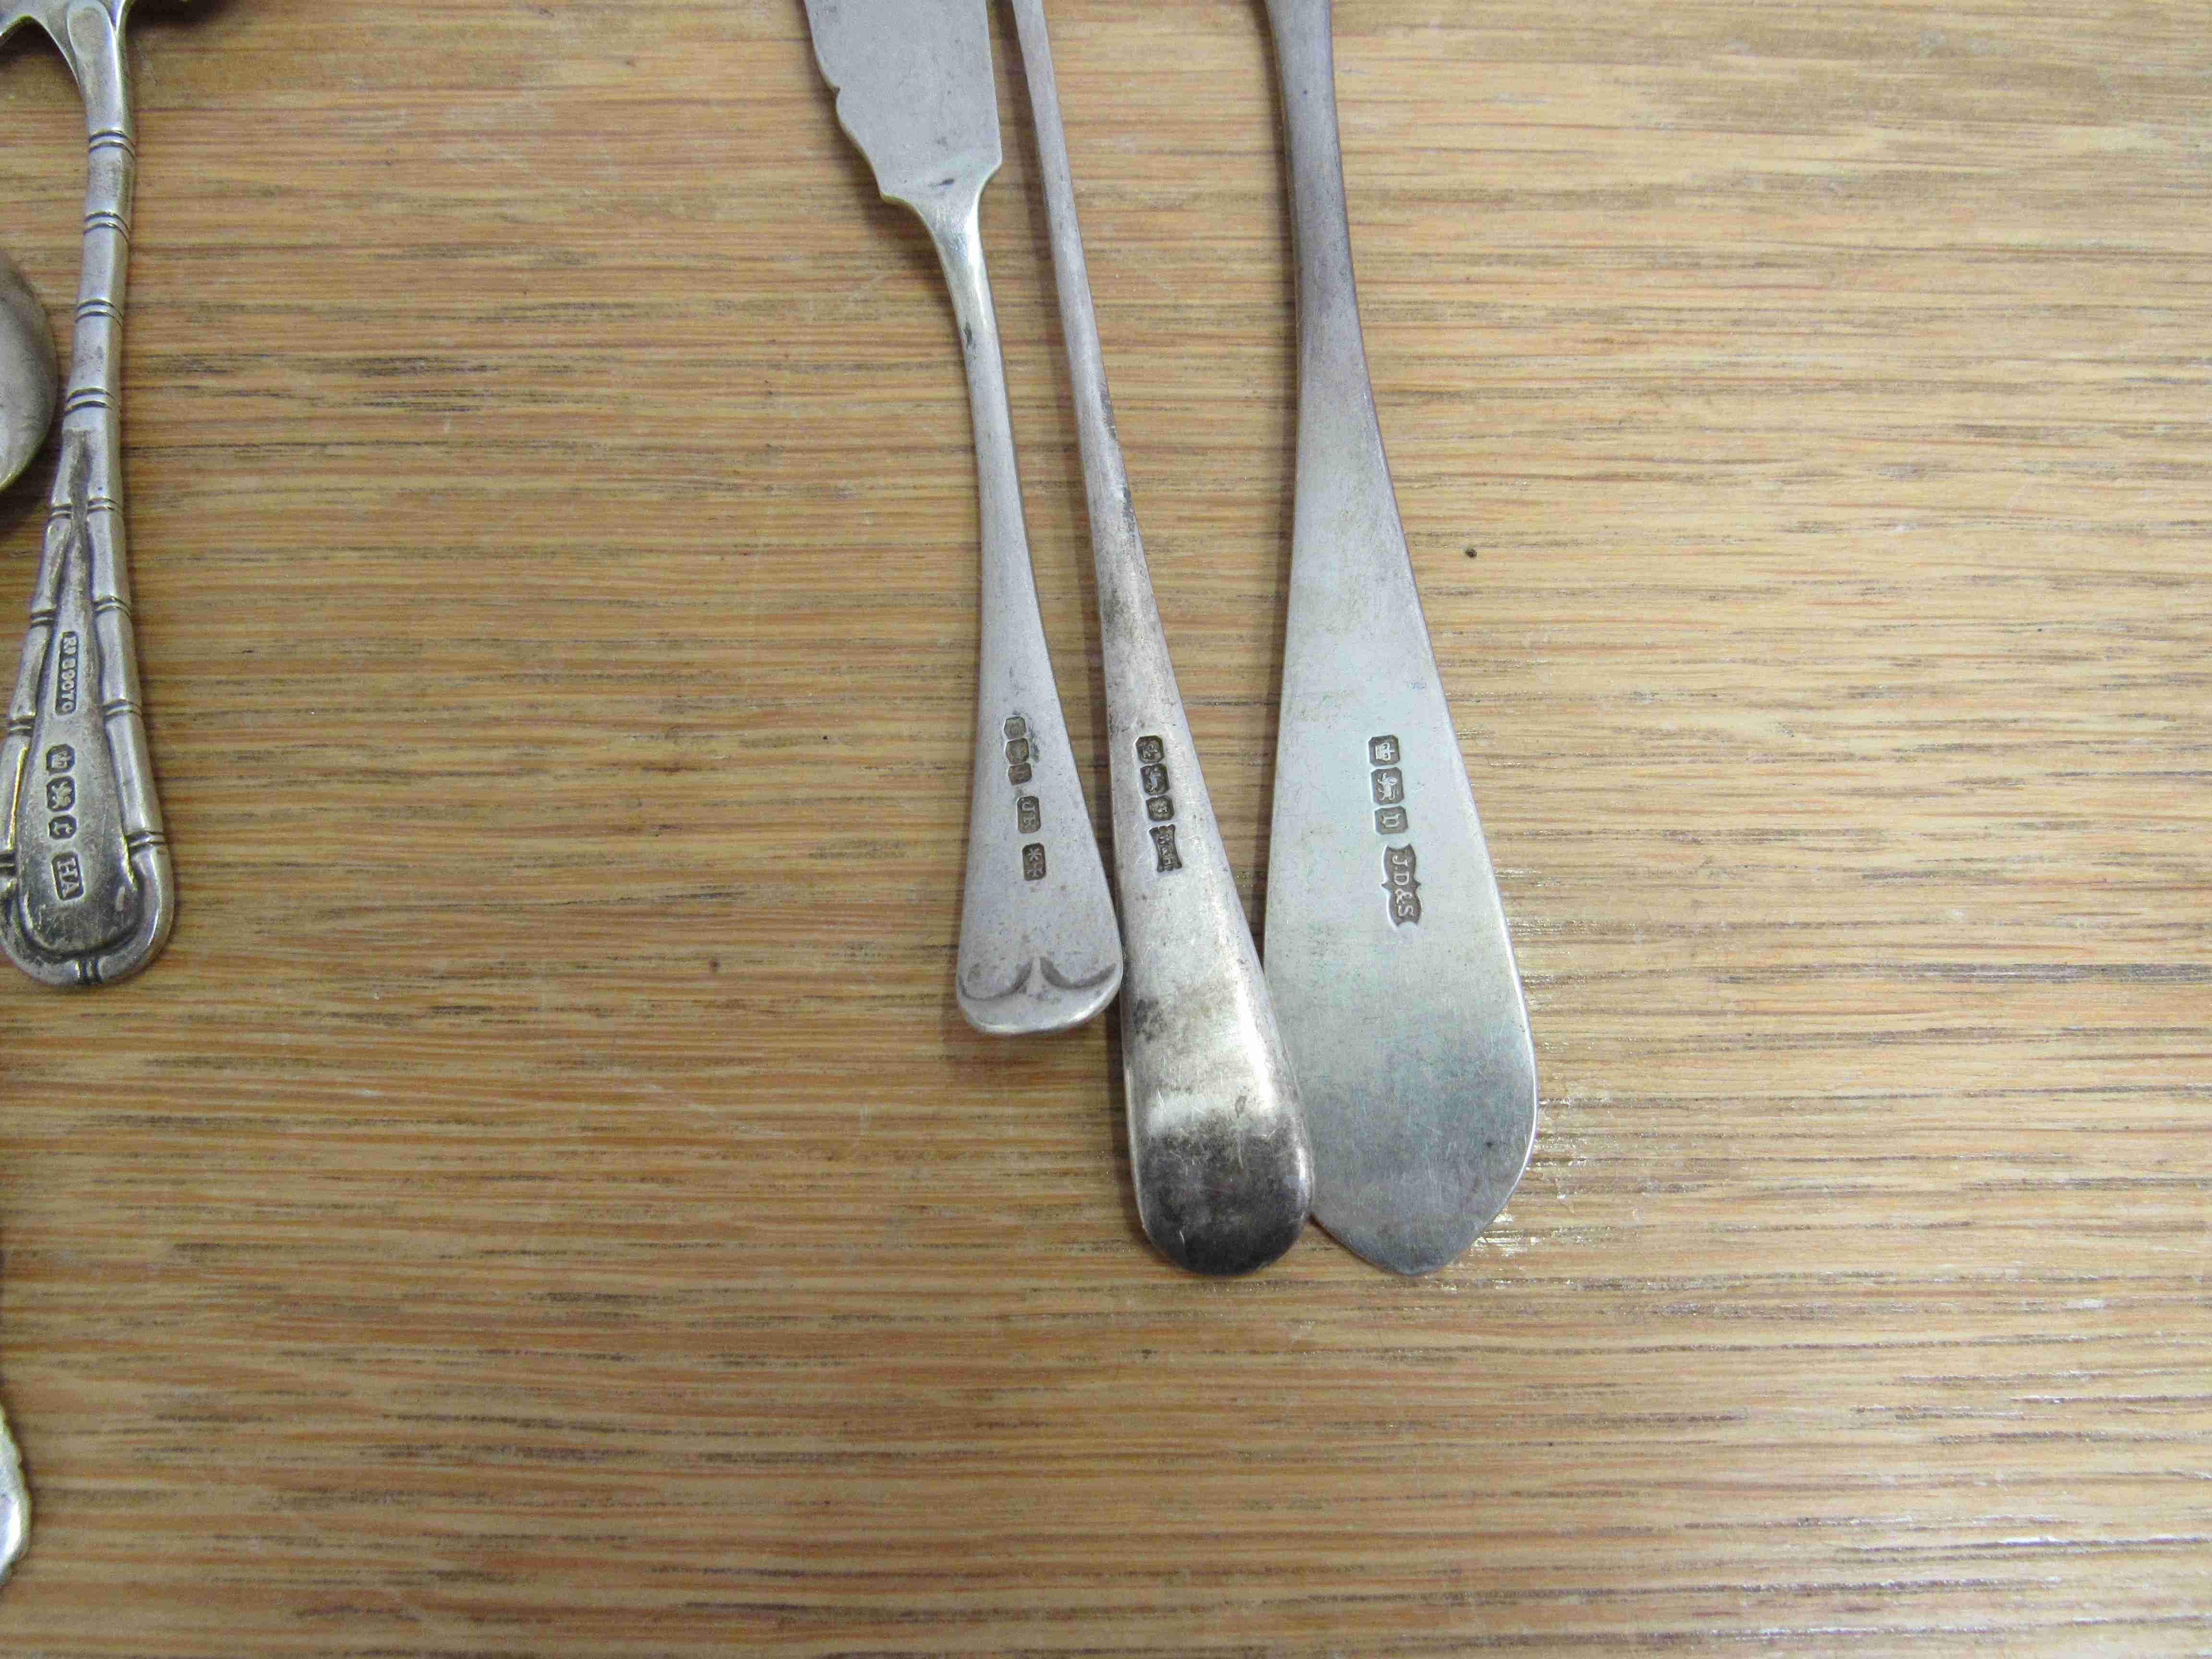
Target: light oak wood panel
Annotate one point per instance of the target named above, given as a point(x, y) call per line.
point(545, 1200)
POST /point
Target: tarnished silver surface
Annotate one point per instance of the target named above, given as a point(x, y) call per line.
point(30, 375)
point(14, 1503)
point(1387, 948)
point(1038, 947)
point(86, 894)
point(1215, 1143)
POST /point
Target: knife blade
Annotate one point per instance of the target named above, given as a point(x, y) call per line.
point(1387, 948)
point(1039, 948)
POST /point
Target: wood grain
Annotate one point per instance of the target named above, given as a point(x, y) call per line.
point(546, 1202)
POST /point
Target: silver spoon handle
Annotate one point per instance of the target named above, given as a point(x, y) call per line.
point(86, 894)
point(1387, 948)
point(1215, 1143)
point(1038, 949)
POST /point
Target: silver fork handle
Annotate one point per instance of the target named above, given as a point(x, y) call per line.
point(1216, 1148)
point(1038, 947)
point(1387, 948)
point(86, 894)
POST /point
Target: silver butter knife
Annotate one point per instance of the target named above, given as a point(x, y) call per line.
point(1216, 1144)
point(1039, 951)
point(1386, 945)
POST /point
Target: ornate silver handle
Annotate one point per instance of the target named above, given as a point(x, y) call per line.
point(86, 893)
point(1038, 948)
point(1387, 948)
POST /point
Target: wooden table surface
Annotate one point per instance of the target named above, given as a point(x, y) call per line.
point(546, 1202)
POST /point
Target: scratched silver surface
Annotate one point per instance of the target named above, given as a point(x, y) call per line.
point(1039, 951)
point(86, 892)
point(1387, 948)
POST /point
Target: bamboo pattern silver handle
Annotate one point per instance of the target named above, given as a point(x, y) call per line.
point(86, 891)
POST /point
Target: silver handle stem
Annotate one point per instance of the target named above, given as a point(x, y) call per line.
point(1217, 1144)
point(86, 893)
point(1038, 947)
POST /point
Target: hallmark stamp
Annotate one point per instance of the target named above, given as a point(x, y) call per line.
point(1398, 865)
point(61, 798)
point(1387, 783)
point(65, 676)
point(1159, 804)
point(1029, 810)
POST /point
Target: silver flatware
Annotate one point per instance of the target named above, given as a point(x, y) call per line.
point(1215, 1143)
point(30, 376)
point(1039, 951)
point(14, 1503)
point(30, 386)
point(86, 893)
point(1386, 945)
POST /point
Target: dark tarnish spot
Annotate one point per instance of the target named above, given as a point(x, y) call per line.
point(1227, 1201)
point(1146, 1019)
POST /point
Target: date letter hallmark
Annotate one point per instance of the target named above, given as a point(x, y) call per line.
point(1387, 783)
point(1159, 804)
